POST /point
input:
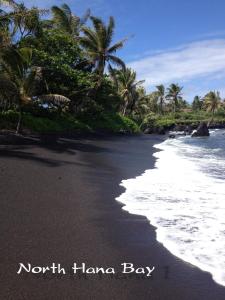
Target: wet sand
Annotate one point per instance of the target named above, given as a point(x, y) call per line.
point(57, 204)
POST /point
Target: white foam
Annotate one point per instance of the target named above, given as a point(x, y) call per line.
point(184, 203)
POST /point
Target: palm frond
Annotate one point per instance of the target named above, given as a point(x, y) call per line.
point(54, 99)
point(111, 27)
point(88, 44)
point(60, 18)
point(97, 23)
point(116, 60)
point(117, 46)
point(85, 17)
point(66, 9)
point(6, 85)
point(91, 35)
point(140, 82)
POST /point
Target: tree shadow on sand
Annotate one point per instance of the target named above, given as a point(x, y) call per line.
point(31, 149)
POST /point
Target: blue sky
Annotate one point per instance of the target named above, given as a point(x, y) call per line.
point(181, 41)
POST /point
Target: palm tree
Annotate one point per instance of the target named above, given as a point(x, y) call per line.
point(174, 94)
point(19, 81)
point(97, 43)
point(197, 103)
point(212, 102)
point(161, 96)
point(126, 84)
point(65, 20)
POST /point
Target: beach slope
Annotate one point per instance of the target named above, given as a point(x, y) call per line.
point(58, 205)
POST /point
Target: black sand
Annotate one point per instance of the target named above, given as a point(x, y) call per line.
point(57, 205)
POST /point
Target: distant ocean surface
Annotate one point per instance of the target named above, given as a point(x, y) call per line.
point(184, 198)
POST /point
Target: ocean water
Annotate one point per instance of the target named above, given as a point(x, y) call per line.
point(184, 198)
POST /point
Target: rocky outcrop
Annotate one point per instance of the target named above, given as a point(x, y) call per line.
point(189, 129)
point(156, 130)
point(202, 130)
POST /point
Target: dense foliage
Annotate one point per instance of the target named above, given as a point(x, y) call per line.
point(53, 77)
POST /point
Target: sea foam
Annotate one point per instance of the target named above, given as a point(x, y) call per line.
point(184, 198)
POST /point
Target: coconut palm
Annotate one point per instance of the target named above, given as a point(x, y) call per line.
point(19, 81)
point(97, 43)
point(64, 19)
point(161, 96)
point(212, 102)
point(197, 103)
point(174, 95)
point(126, 84)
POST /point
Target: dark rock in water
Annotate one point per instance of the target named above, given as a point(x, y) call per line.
point(147, 131)
point(202, 130)
point(216, 125)
point(179, 128)
point(160, 130)
point(182, 129)
point(157, 130)
point(172, 135)
point(189, 129)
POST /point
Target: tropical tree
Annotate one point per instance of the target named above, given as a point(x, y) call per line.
point(161, 96)
point(97, 42)
point(212, 102)
point(174, 95)
point(19, 81)
point(197, 103)
point(5, 38)
point(19, 21)
point(139, 96)
point(126, 85)
point(65, 20)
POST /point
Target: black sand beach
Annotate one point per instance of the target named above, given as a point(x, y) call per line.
point(58, 205)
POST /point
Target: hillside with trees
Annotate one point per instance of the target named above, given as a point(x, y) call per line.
point(60, 72)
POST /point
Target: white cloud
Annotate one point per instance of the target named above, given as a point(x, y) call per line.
point(189, 62)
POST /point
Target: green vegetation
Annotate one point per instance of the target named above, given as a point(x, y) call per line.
point(66, 123)
point(157, 123)
point(53, 78)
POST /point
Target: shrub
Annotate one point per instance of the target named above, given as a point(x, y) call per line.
point(112, 123)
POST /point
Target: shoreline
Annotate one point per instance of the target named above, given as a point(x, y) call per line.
point(82, 221)
point(134, 190)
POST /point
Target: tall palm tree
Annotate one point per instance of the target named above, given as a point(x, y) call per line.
point(19, 81)
point(126, 84)
point(212, 102)
point(174, 94)
point(161, 96)
point(64, 19)
point(97, 43)
point(197, 103)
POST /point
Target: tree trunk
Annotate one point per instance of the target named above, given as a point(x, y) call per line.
point(161, 106)
point(97, 87)
point(125, 108)
point(210, 121)
point(19, 121)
